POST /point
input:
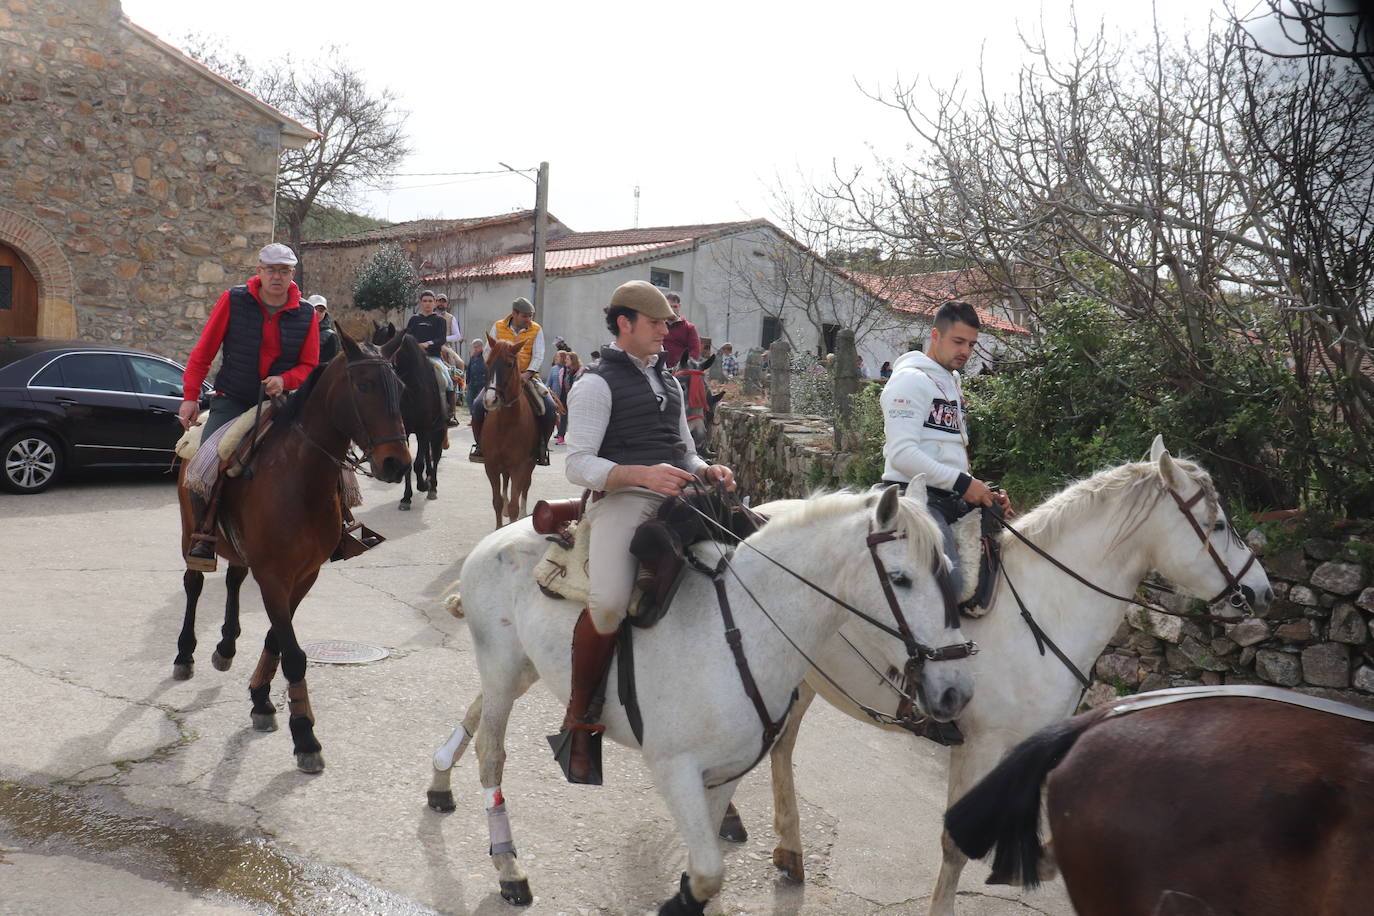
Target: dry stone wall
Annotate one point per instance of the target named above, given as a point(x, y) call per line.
point(1317, 637)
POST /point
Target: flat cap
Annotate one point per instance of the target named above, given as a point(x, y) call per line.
point(277, 253)
point(644, 298)
point(522, 305)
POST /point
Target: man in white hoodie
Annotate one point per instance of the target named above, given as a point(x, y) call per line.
point(925, 422)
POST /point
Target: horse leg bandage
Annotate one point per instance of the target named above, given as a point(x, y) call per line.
point(498, 822)
point(265, 671)
point(298, 700)
point(452, 749)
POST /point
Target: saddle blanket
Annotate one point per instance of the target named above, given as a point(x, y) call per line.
point(564, 571)
point(968, 540)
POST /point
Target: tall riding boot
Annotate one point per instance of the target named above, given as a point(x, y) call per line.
point(578, 746)
point(201, 556)
point(453, 407)
point(547, 424)
point(476, 453)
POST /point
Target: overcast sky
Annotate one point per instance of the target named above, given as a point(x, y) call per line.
point(702, 106)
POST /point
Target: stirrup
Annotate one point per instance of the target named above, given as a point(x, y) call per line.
point(475, 454)
point(201, 556)
point(562, 745)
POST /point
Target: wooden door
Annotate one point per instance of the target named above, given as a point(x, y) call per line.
point(18, 296)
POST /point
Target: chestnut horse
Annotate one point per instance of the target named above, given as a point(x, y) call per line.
point(1195, 801)
point(283, 520)
point(509, 431)
point(422, 407)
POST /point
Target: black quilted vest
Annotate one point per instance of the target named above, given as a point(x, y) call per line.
point(238, 372)
point(638, 432)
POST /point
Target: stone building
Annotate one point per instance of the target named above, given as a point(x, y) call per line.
point(135, 184)
point(435, 246)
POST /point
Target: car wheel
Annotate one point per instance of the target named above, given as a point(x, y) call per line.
point(29, 462)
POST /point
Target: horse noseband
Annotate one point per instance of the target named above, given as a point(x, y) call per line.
point(1233, 588)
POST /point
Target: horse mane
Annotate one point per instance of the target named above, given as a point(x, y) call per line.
point(913, 521)
point(291, 412)
point(1138, 481)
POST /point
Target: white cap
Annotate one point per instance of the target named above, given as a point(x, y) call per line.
point(277, 253)
point(317, 299)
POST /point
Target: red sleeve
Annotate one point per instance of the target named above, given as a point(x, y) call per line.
point(294, 377)
point(198, 364)
point(693, 341)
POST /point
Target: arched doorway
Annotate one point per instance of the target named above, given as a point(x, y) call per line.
point(18, 296)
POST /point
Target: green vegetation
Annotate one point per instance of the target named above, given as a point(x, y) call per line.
point(386, 282)
point(329, 223)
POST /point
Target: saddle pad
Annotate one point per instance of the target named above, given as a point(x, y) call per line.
point(1255, 691)
point(968, 540)
point(203, 464)
point(565, 572)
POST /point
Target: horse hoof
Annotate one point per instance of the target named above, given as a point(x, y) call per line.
point(404, 507)
point(732, 829)
point(265, 721)
point(183, 671)
point(431, 495)
point(440, 801)
point(517, 892)
point(310, 762)
point(220, 662)
point(421, 485)
point(790, 864)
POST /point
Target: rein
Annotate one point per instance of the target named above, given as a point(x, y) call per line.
point(391, 387)
point(1042, 639)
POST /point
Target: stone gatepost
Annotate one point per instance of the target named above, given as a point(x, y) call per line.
point(845, 378)
point(780, 376)
point(753, 374)
point(913, 343)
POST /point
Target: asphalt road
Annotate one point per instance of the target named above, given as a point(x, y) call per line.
point(124, 791)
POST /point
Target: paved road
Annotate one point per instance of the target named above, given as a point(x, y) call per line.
point(122, 790)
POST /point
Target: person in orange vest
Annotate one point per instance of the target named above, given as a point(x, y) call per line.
point(520, 327)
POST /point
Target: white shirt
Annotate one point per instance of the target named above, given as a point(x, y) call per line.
point(589, 413)
point(925, 423)
point(455, 335)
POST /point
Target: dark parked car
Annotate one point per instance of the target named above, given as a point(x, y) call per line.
point(67, 405)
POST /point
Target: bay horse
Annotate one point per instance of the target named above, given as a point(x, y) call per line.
point(1112, 528)
point(1197, 801)
point(701, 403)
point(283, 521)
point(509, 432)
point(701, 731)
point(423, 407)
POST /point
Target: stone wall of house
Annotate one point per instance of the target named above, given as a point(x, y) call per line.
point(1317, 637)
point(127, 170)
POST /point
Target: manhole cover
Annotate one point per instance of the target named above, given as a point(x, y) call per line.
point(338, 652)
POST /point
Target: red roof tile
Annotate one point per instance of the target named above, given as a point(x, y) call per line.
point(922, 294)
point(658, 234)
point(562, 261)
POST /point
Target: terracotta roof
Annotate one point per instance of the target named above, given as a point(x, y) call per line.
point(922, 294)
point(659, 234)
point(560, 261)
point(419, 228)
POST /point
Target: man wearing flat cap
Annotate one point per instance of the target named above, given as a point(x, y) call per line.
point(268, 340)
point(629, 443)
point(519, 327)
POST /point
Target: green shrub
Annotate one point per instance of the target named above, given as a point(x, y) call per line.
point(386, 282)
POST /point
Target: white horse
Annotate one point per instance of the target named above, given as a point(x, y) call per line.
point(701, 731)
point(1111, 529)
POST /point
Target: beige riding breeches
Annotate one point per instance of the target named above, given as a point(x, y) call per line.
point(611, 568)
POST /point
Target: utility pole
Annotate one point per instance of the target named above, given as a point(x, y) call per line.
point(541, 233)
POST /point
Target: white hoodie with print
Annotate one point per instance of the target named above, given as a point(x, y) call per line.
point(925, 424)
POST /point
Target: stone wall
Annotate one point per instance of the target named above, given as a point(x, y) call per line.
point(1317, 637)
point(134, 185)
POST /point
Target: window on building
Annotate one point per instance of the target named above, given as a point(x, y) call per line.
point(829, 332)
point(772, 330)
point(665, 279)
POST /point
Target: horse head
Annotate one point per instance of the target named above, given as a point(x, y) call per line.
point(364, 403)
point(1200, 549)
point(381, 333)
point(503, 375)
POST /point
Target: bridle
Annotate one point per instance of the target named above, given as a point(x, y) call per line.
point(391, 391)
point(1233, 586)
point(503, 364)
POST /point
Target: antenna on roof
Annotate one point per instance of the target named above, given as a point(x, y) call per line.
point(636, 206)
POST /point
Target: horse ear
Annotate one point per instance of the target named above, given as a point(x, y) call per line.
point(1169, 471)
point(887, 507)
point(393, 346)
point(491, 342)
point(682, 361)
point(350, 347)
point(715, 398)
point(1157, 448)
point(708, 363)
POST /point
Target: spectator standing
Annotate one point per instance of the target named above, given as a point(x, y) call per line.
point(477, 372)
point(886, 371)
point(572, 370)
point(729, 362)
point(329, 335)
point(682, 336)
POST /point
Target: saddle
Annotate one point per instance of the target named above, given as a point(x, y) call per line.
point(229, 448)
point(976, 539)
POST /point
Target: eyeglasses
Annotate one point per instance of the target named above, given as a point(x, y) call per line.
point(278, 271)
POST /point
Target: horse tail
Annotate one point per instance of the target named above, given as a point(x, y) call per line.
point(454, 602)
point(1003, 809)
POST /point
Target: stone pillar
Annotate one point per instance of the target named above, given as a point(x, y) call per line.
point(753, 374)
point(780, 376)
point(845, 378)
point(913, 343)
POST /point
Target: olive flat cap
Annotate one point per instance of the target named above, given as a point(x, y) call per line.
point(644, 298)
point(522, 305)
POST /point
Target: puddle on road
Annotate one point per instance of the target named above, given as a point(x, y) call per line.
point(188, 856)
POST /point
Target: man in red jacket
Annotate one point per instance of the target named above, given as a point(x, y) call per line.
point(682, 336)
point(268, 340)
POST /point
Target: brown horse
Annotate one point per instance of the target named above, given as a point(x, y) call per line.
point(1217, 801)
point(283, 521)
point(509, 431)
